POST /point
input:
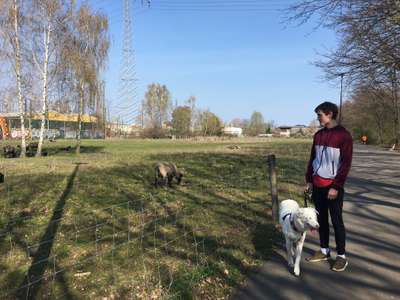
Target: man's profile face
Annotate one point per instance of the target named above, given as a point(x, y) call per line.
point(324, 118)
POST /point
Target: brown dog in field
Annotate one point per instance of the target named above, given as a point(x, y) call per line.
point(165, 172)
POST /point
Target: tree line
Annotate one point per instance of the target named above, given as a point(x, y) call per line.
point(160, 117)
point(55, 51)
point(367, 56)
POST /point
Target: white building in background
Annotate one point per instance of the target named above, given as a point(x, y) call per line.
point(297, 130)
point(284, 131)
point(116, 129)
point(234, 131)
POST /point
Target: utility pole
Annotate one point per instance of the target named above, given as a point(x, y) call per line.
point(341, 97)
point(110, 121)
point(118, 132)
point(128, 106)
point(395, 107)
point(101, 108)
point(104, 119)
point(142, 116)
point(274, 190)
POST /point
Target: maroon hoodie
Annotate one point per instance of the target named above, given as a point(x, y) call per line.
point(331, 155)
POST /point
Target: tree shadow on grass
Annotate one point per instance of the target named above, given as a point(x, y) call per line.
point(32, 282)
point(225, 186)
point(70, 150)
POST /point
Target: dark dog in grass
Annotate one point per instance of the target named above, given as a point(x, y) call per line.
point(32, 146)
point(67, 149)
point(31, 149)
point(10, 151)
point(1, 177)
point(165, 172)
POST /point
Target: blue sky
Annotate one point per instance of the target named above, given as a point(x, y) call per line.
point(234, 56)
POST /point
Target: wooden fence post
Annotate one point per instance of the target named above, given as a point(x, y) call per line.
point(274, 190)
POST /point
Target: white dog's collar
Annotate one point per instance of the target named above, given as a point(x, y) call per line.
point(284, 217)
point(291, 221)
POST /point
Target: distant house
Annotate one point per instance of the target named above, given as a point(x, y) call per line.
point(284, 131)
point(116, 129)
point(234, 131)
point(298, 129)
point(295, 131)
point(303, 130)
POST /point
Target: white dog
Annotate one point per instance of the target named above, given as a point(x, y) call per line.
point(295, 222)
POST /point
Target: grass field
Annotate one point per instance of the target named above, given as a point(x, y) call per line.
point(93, 226)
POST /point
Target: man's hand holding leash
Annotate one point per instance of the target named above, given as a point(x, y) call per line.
point(332, 194)
point(308, 187)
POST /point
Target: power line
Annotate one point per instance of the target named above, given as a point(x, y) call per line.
point(127, 104)
point(213, 5)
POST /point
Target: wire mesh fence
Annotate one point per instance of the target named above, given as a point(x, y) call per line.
point(125, 235)
point(102, 238)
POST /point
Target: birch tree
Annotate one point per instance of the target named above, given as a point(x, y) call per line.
point(11, 32)
point(48, 22)
point(86, 52)
point(191, 103)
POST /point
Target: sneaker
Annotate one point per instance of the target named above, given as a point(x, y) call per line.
point(318, 256)
point(340, 264)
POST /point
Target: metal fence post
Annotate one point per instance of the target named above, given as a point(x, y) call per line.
point(274, 190)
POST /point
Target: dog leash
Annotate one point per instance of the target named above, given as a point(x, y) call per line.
point(307, 197)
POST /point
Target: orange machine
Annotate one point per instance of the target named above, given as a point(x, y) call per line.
point(3, 128)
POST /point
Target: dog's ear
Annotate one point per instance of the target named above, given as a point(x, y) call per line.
point(300, 212)
point(316, 211)
point(300, 218)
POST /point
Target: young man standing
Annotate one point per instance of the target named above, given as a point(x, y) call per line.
point(327, 170)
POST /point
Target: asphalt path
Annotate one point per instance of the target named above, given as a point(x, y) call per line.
point(372, 219)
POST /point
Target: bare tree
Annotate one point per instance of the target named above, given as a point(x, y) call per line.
point(11, 31)
point(368, 51)
point(237, 122)
point(48, 23)
point(257, 124)
point(191, 103)
point(157, 105)
point(86, 53)
point(209, 123)
point(369, 112)
point(181, 121)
